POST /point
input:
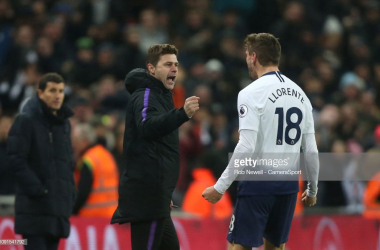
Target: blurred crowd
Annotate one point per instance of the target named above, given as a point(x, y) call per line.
point(331, 48)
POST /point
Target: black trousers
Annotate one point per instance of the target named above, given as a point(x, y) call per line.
point(41, 242)
point(154, 235)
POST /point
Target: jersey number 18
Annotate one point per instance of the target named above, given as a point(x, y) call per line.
point(290, 125)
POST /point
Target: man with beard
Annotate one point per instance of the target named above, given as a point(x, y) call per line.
point(151, 149)
point(275, 116)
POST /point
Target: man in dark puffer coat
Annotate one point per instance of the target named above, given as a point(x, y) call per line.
point(40, 151)
point(151, 149)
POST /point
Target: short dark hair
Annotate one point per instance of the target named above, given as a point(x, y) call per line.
point(157, 50)
point(266, 46)
point(49, 77)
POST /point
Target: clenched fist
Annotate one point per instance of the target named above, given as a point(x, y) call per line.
point(191, 105)
point(308, 201)
point(212, 195)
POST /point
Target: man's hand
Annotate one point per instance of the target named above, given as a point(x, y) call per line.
point(212, 195)
point(191, 105)
point(171, 205)
point(308, 201)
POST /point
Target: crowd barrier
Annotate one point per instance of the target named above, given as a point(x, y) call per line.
point(308, 232)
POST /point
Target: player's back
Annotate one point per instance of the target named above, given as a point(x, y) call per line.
point(280, 112)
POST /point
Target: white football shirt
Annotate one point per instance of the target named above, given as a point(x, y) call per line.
point(274, 116)
point(278, 110)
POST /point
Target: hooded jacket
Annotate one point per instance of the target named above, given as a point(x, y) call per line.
point(39, 147)
point(151, 149)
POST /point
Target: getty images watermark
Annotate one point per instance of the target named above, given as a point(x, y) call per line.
point(304, 166)
point(266, 167)
point(248, 164)
point(270, 172)
point(13, 242)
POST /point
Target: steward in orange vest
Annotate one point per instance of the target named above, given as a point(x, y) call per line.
point(371, 198)
point(195, 204)
point(299, 205)
point(98, 168)
point(96, 177)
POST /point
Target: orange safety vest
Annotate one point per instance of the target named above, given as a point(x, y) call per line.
point(299, 205)
point(103, 199)
point(194, 202)
point(371, 193)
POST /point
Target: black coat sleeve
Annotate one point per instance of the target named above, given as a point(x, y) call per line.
point(84, 187)
point(18, 149)
point(4, 166)
point(72, 164)
point(154, 124)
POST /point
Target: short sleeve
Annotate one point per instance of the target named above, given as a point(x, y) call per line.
point(249, 118)
point(309, 121)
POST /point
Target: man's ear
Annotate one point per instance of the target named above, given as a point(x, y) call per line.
point(254, 58)
point(39, 92)
point(151, 69)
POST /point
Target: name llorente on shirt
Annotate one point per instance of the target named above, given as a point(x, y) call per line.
point(285, 92)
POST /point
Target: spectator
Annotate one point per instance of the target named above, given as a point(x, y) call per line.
point(190, 148)
point(129, 55)
point(22, 51)
point(19, 87)
point(106, 62)
point(7, 180)
point(195, 204)
point(46, 59)
point(232, 25)
point(150, 33)
point(54, 30)
point(83, 74)
point(82, 109)
point(96, 174)
point(6, 26)
point(372, 191)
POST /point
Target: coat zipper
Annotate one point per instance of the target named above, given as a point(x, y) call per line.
point(51, 137)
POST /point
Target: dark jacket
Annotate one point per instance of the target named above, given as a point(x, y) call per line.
point(7, 180)
point(151, 149)
point(40, 151)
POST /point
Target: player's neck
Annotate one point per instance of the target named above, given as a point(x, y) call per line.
point(263, 70)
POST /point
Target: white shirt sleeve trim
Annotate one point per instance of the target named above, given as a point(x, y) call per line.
point(246, 145)
point(312, 163)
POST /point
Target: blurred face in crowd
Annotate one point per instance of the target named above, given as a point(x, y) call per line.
point(351, 92)
point(228, 46)
point(25, 36)
point(194, 19)
point(294, 12)
point(230, 19)
point(45, 47)
point(53, 31)
point(148, 19)
point(251, 60)
point(5, 126)
point(53, 95)
point(39, 8)
point(166, 70)
point(32, 75)
point(105, 57)
point(79, 144)
point(85, 55)
point(132, 36)
point(204, 93)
